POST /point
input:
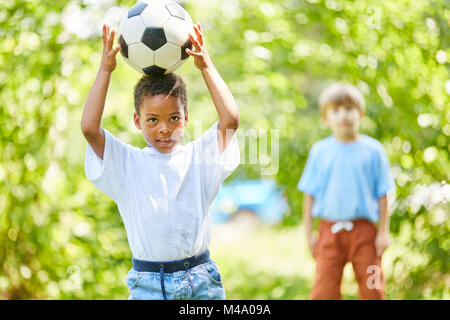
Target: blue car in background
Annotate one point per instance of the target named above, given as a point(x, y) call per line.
point(261, 197)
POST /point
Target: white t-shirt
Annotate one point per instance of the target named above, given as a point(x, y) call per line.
point(164, 199)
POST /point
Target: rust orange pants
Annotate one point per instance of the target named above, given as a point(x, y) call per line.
point(333, 251)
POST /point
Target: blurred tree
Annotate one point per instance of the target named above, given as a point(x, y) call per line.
point(278, 56)
point(51, 222)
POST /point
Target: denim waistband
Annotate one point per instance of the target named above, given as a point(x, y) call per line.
point(170, 266)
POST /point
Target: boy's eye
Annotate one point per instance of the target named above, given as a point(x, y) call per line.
point(152, 120)
point(175, 118)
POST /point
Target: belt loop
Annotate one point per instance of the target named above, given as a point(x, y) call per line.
point(161, 272)
point(186, 267)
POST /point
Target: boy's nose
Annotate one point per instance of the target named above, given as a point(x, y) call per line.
point(163, 128)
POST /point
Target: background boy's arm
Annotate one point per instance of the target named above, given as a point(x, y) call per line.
point(220, 93)
point(382, 239)
point(308, 202)
point(95, 102)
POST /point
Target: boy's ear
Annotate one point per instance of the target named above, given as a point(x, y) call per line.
point(137, 122)
point(185, 117)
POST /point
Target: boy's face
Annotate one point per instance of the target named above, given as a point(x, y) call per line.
point(343, 121)
point(162, 120)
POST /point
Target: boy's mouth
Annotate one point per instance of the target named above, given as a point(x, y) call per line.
point(164, 142)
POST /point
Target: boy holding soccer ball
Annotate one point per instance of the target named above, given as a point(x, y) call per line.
point(164, 190)
point(345, 183)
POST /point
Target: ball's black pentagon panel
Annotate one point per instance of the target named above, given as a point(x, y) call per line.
point(123, 47)
point(176, 10)
point(187, 45)
point(154, 38)
point(154, 71)
point(136, 9)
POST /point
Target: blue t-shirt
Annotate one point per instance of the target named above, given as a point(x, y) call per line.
point(346, 179)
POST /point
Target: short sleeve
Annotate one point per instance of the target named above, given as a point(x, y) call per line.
point(384, 181)
point(309, 181)
point(216, 166)
point(108, 175)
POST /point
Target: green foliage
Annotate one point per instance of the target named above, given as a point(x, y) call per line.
point(393, 52)
point(61, 238)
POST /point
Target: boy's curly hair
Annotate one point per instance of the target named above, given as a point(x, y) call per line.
point(169, 84)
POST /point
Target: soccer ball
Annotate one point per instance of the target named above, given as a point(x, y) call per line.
point(153, 36)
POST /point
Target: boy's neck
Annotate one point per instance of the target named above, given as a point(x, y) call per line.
point(155, 150)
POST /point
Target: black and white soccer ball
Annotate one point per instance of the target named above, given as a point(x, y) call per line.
point(153, 36)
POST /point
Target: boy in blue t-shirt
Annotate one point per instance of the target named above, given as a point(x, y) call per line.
point(345, 183)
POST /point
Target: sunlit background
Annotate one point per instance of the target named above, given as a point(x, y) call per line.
point(61, 238)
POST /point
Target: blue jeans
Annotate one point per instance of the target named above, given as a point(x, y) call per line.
point(202, 282)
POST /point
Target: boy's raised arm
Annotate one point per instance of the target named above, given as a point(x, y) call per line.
point(220, 93)
point(95, 102)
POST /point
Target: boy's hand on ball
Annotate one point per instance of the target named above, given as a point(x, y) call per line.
point(201, 57)
point(109, 53)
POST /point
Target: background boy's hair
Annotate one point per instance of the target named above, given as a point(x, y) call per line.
point(341, 94)
point(169, 84)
